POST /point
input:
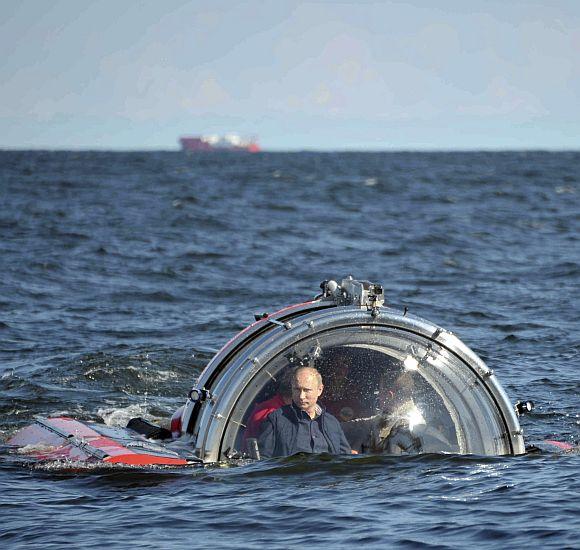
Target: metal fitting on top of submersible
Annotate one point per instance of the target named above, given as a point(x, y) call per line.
point(352, 292)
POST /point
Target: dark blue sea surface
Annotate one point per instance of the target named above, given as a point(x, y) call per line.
point(122, 273)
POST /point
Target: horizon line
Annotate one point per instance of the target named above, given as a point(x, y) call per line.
point(482, 149)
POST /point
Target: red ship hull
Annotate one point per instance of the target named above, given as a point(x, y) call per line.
point(198, 144)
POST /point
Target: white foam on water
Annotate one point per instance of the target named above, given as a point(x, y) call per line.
point(118, 417)
point(37, 447)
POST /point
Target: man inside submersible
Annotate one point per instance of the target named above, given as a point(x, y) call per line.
point(303, 425)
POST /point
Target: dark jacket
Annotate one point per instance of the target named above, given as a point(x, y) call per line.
point(281, 428)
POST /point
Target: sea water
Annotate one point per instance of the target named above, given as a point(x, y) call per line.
point(122, 273)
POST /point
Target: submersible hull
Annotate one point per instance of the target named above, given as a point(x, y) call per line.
point(397, 383)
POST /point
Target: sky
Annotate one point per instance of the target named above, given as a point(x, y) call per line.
point(325, 75)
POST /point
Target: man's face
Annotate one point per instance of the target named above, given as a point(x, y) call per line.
point(306, 391)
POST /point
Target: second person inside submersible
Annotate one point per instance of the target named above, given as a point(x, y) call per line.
point(303, 426)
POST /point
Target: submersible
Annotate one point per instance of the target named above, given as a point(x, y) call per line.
point(376, 363)
point(398, 384)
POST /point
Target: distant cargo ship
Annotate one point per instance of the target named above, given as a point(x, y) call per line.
point(229, 142)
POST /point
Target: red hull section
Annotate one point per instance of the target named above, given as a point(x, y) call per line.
point(194, 144)
point(67, 439)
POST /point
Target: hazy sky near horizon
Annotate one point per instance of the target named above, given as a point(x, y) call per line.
point(300, 75)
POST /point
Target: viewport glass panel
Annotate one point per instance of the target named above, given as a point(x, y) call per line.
point(393, 391)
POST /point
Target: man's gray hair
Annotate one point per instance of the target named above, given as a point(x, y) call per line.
point(311, 370)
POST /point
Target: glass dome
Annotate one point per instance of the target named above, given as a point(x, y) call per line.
point(396, 383)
